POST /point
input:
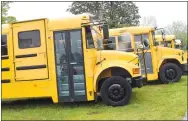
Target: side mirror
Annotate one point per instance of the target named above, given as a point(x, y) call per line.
point(105, 31)
point(163, 37)
point(146, 44)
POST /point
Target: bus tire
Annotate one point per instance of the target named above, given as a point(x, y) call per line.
point(170, 73)
point(116, 91)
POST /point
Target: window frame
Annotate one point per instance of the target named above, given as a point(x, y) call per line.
point(29, 31)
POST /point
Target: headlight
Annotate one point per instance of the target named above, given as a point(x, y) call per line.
point(136, 70)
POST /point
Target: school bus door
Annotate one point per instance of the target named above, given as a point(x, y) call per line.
point(30, 60)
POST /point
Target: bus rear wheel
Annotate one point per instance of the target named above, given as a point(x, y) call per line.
point(116, 91)
point(169, 73)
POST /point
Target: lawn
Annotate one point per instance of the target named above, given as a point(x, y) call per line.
point(162, 102)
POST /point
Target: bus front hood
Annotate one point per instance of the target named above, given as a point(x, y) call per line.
point(117, 55)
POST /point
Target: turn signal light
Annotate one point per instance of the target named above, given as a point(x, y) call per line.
point(136, 70)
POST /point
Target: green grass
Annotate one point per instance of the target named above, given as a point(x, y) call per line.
point(162, 102)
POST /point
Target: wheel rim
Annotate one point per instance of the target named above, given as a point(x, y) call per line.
point(170, 74)
point(116, 92)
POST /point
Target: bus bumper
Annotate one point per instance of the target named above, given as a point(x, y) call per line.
point(184, 68)
point(137, 81)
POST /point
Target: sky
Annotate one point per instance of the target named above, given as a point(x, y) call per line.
point(165, 12)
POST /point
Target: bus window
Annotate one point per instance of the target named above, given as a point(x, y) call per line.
point(89, 37)
point(4, 50)
point(124, 42)
point(29, 39)
point(111, 45)
point(139, 39)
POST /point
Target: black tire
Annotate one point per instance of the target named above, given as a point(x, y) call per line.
point(170, 73)
point(116, 91)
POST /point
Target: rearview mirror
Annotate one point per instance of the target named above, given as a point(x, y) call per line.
point(146, 44)
point(105, 31)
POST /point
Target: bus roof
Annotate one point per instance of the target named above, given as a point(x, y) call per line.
point(71, 22)
point(131, 30)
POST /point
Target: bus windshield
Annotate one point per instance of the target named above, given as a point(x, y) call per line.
point(93, 34)
point(124, 42)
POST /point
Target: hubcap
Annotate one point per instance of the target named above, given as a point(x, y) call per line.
point(116, 92)
point(170, 74)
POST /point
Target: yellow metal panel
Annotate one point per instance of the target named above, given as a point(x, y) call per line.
point(89, 63)
point(26, 89)
point(114, 63)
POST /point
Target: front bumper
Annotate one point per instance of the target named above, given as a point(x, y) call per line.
point(184, 67)
point(137, 81)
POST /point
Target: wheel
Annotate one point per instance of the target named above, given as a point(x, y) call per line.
point(170, 72)
point(116, 91)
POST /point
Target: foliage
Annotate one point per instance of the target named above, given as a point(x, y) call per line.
point(179, 29)
point(5, 18)
point(117, 14)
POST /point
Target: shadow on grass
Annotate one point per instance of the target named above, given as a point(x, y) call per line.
point(47, 102)
point(155, 82)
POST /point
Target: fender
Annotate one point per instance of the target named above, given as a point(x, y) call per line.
point(113, 63)
point(168, 58)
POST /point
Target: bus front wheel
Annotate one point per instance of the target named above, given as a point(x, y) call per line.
point(170, 72)
point(116, 91)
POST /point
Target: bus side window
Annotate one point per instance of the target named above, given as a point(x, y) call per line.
point(4, 50)
point(29, 39)
point(124, 42)
point(89, 38)
point(138, 40)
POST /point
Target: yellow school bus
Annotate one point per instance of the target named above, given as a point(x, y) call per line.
point(169, 40)
point(172, 42)
point(56, 58)
point(163, 63)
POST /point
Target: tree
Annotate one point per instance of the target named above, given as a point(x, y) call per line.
point(117, 14)
point(179, 29)
point(149, 21)
point(5, 18)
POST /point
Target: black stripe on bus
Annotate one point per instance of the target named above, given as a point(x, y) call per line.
point(3, 58)
point(26, 56)
point(5, 69)
point(5, 81)
point(30, 67)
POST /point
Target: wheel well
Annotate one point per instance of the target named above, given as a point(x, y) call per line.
point(170, 61)
point(112, 71)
